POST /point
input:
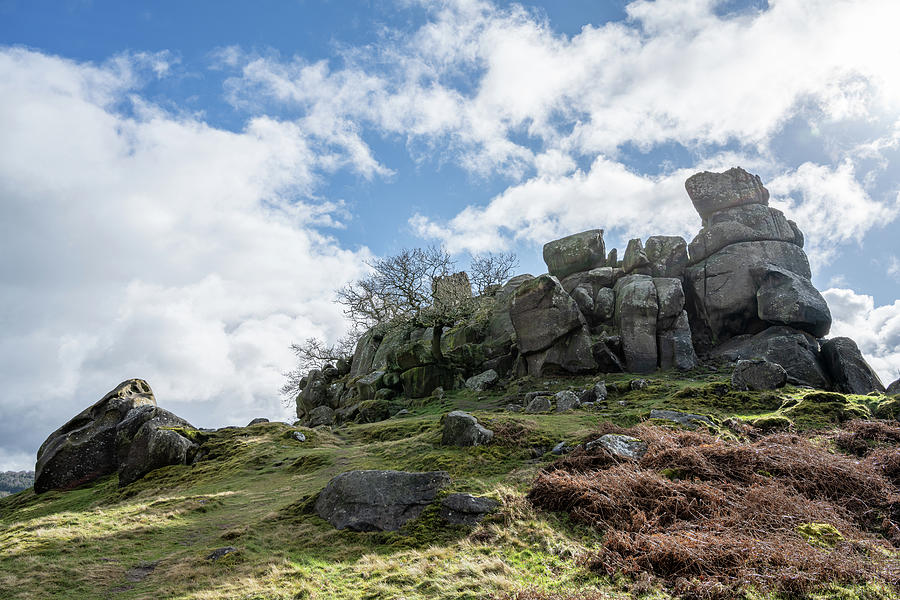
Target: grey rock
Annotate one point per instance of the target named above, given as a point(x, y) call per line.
point(509, 288)
point(314, 394)
point(712, 192)
point(539, 404)
point(84, 449)
point(758, 374)
point(466, 509)
point(601, 277)
point(298, 435)
point(785, 298)
point(428, 380)
point(669, 299)
point(378, 500)
point(566, 400)
point(542, 313)
point(635, 260)
point(621, 446)
point(636, 313)
point(559, 449)
point(514, 408)
point(483, 381)
point(321, 415)
point(675, 346)
point(386, 355)
point(366, 348)
point(604, 305)
point(155, 446)
point(529, 396)
point(686, 419)
point(600, 392)
point(462, 429)
point(751, 223)
point(579, 252)
point(343, 366)
point(638, 384)
point(667, 254)
point(367, 385)
point(573, 353)
point(257, 421)
point(220, 552)
point(796, 351)
point(893, 389)
point(721, 290)
point(413, 354)
point(849, 371)
point(584, 299)
point(613, 259)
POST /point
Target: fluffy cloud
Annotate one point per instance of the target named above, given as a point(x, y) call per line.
point(137, 243)
point(876, 329)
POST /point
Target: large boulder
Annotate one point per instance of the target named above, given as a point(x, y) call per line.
point(849, 371)
point(721, 290)
point(482, 381)
point(158, 442)
point(712, 192)
point(386, 355)
point(462, 429)
point(635, 259)
point(368, 385)
point(420, 382)
point(601, 277)
point(315, 393)
point(758, 374)
point(364, 355)
point(750, 223)
point(542, 313)
point(636, 315)
point(579, 252)
point(796, 351)
point(572, 354)
point(667, 254)
point(84, 449)
point(675, 345)
point(378, 500)
point(785, 298)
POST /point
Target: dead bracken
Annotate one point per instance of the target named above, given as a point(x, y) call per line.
point(707, 518)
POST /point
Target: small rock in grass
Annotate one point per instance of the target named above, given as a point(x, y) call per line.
point(466, 509)
point(566, 401)
point(220, 552)
point(623, 446)
point(539, 404)
point(297, 435)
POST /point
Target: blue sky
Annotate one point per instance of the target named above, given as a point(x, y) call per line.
point(184, 184)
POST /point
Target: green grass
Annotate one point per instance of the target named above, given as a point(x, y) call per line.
point(253, 489)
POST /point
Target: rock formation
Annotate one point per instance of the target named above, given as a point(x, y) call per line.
point(124, 431)
point(739, 291)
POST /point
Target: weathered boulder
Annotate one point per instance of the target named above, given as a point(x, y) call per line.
point(85, 448)
point(321, 415)
point(572, 354)
point(542, 313)
point(566, 400)
point(257, 421)
point(621, 446)
point(386, 355)
point(601, 277)
point(369, 384)
point(466, 509)
point(758, 374)
point(712, 192)
point(482, 381)
point(721, 290)
point(669, 301)
point(604, 305)
point(538, 404)
point(158, 442)
point(750, 223)
point(462, 429)
point(579, 252)
point(796, 351)
point(366, 348)
point(667, 254)
point(849, 371)
point(636, 314)
point(314, 394)
point(635, 259)
point(675, 345)
point(785, 298)
point(378, 500)
point(414, 354)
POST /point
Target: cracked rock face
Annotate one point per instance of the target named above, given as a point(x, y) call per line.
point(712, 192)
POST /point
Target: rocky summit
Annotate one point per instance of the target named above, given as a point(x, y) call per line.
point(740, 290)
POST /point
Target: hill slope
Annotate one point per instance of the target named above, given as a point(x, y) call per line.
point(252, 493)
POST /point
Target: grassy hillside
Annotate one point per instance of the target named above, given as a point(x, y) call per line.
point(253, 492)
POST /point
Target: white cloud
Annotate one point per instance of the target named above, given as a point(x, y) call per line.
point(876, 330)
point(151, 246)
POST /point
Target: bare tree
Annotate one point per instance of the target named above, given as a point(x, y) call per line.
point(314, 354)
point(489, 270)
point(398, 288)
